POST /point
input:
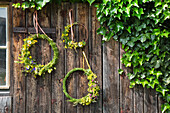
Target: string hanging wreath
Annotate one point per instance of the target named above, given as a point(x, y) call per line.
point(30, 64)
point(69, 42)
point(93, 90)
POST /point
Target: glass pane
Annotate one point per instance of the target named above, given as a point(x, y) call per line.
point(2, 67)
point(3, 17)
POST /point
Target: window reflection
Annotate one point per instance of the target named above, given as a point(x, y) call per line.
point(3, 16)
point(2, 67)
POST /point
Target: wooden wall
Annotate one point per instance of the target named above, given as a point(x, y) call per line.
point(40, 95)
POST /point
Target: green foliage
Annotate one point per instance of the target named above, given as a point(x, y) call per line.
point(142, 28)
point(39, 4)
point(30, 65)
point(93, 90)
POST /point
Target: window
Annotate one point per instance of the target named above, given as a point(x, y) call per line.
point(4, 49)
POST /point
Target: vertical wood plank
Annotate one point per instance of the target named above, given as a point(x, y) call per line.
point(138, 99)
point(58, 75)
point(82, 86)
point(44, 85)
point(32, 98)
point(111, 77)
point(95, 53)
point(150, 101)
point(71, 62)
point(160, 102)
point(126, 94)
point(18, 77)
point(5, 104)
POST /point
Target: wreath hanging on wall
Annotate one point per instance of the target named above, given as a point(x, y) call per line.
point(30, 64)
point(93, 90)
point(69, 42)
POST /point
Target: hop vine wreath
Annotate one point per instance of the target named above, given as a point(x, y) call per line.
point(69, 43)
point(93, 90)
point(30, 64)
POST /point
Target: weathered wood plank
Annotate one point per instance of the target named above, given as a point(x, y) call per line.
point(138, 99)
point(31, 84)
point(59, 73)
point(6, 104)
point(160, 102)
point(44, 85)
point(95, 53)
point(71, 62)
point(111, 77)
point(126, 94)
point(18, 77)
point(82, 86)
point(150, 101)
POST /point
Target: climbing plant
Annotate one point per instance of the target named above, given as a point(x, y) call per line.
point(141, 26)
point(39, 4)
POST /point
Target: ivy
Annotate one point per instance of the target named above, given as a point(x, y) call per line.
point(39, 4)
point(142, 28)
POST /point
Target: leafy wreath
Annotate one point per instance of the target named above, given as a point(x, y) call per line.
point(30, 64)
point(69, 42)
point(93, 90)
point(25, 58)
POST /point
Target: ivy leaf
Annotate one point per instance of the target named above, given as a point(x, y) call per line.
point(143, 38)
point(130, 43)
point(124, 40)
point(157, 2)
point(135, 3)
point(143, 82)
point(119, 26)
point(141, 11)
point(158, 74)
point(42, 3)
point(101, 31)
point(158, 63)
point(120, 71)
point(118, 15)
point(162, 90)
point(91, 1)
point(104, 1)
point(144, 1)
point(129, 29)
point(130, 76)
point(132, 84)
point(113, 10)
point(165, 107)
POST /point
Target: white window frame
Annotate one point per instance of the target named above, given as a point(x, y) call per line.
point(7, 48)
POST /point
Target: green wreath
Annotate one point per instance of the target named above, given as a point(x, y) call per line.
point(69, 43)
point(93, 90)
point(30, 64)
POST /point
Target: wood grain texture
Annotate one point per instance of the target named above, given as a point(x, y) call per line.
point(82, 86)
point(150, 101)
point(6, 104)
point(95, 54)
point(126, 94)
point(71, 62)
point(57, 21)
point(44, 85)
point(18, 76)
point(111, 77)
point(138, 99)
point(32, 98)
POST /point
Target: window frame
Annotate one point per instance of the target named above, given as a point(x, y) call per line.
point(7, 47)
